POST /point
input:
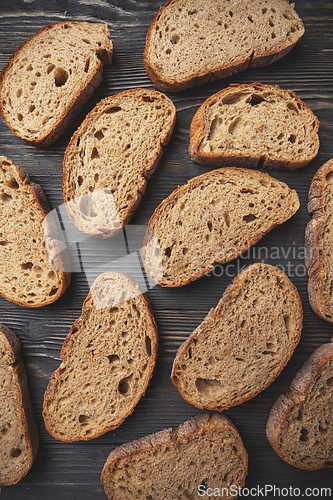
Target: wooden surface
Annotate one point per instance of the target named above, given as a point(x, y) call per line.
point(72, 470)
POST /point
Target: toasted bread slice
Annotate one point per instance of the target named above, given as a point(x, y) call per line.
point(18, 430)
point(191, 42)
point(108, 359)
point(50, 78)
point(251, 125)
point(300, 425)
point(33, 262)
point(111, 157)
point(244, 343)
point(204, 454)
point(213, 218)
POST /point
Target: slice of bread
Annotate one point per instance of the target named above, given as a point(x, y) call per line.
point(251, 125)
point(204, 454)
point(243, 344)
point(319, 243)
point(33, 265)
point(191, 42)
point(213, 218)
point(111, 157)
point(108, 360)
point(51, 76)
point(18, 430)
point(300, 425)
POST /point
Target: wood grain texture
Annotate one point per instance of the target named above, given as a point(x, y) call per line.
point(72, 470)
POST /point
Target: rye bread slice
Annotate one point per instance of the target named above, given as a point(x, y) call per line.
point(50, 78)
point(254, 124)
point(300, 425)
point(191, 42)
point(111, 157)
point(107, 361)
point(18, 430)
point(319, 243)
point(205, 452)
point(33, 262)
point(243, 344)
point(212, 219)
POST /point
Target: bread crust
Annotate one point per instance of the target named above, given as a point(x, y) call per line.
point(219, 72)
point(313, 242)
point(286, 403)
point(209, 268)
point(56, 376)
point(237, 160)
point(232, 291)
point(75, 105)
point(23, 400)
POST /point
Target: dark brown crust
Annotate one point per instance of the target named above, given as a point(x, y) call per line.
point(74, 107)
point(197, 425)
point(209, 269)
point(203, 77)
point(313, 242)
point(23, 399)
point(232, 291)
point(56, 375)
point(133, 205)
point(40, 199)
point(286, 403)
point(223, 160)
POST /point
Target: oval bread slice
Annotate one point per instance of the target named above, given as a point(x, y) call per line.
point(191, 42)
point(33, 262)
point(18, 430)
point(243, 344)
point(205, 454)
point(300, 425)
point(213, 218)
point(108, 358)
point(50, 78)
point(111, 157)
point(251, 125)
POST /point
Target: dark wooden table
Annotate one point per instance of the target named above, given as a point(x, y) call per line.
point(72, 470)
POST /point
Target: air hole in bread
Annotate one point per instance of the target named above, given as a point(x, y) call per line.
point(4, 243)
point(31, 108)
point(329, 382)
point(289, 324)
point(249, 218)
point(27, 265)
point(168, 51)
point(271, 22)
point(19, 117)
point(84, 419)
point(124, 385)
point(148, 345)
point(15, 452)
point(292, 138)
point(168, 251)
point(94, 153)
point(304, 435)
point(210, 226)
point(233, 98)
point(250, 19)
point(256, 99)
point(293, 107)
point(227, 219)
point(80, 180)
point(234, 125)
point(112, 358)
point(99, 135)
point(60, 77)
point(185, 251)
point(174, 39)
point(53, 291)
point(29, 67)
point(50, 67)
point(5, 197)
point(86, 66)
point(19, 92)
point(207, 386)
point(112, 110)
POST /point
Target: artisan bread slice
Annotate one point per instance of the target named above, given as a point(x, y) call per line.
point(191, 42)
point(111, 157)
point(205, 454)
point(18, 430)
point(50, 78)
point(33, 263)
point(251, 125)
point(319, 242)
point(300, 425)
point(107, 361)
point(243, 344)
point(213, 218)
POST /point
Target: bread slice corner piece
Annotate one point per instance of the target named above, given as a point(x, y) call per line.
point(34, 262)
point(243, 344)
point(253, 125)
point(51, 76)
point(107, 361)
point(18, 430)
point(192, 42)
point(212, 219)
point(300, 424)
point(318, 242)
point(111, 157)
point(205, 452)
